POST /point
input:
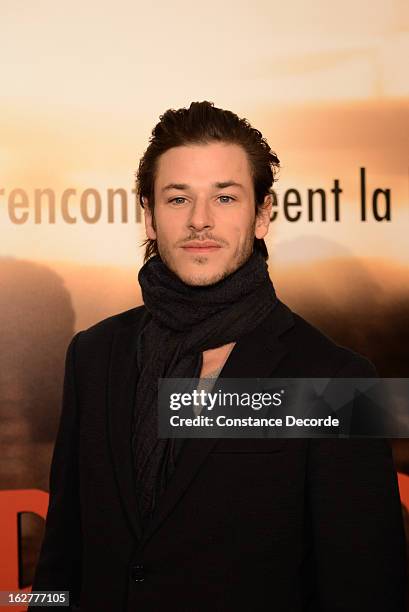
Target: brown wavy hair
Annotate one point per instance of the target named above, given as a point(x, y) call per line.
point(203, 123)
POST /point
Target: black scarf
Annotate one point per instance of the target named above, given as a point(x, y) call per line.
point(186, 320)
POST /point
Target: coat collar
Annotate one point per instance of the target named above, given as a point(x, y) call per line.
point(255, 355)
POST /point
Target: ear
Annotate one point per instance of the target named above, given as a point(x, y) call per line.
point(149, 222)
point(263, 217)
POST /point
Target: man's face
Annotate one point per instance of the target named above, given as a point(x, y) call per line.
point(204, 215)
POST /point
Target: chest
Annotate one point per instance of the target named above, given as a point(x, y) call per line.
point(214, 359)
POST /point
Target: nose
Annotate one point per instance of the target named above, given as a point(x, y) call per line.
point(200, 216)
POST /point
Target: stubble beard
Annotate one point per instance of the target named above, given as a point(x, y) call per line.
point(240, 256)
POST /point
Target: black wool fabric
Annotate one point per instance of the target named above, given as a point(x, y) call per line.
point(186, 320)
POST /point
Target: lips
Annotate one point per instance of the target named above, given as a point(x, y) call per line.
point(201, 244)
point(201, 247)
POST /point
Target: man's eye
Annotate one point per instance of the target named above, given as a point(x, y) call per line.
point(225, 199)
point(178, 200)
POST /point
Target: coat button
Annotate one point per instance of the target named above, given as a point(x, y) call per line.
point(138, 573)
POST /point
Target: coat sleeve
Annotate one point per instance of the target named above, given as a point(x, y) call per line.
point(356, 520)
point(59, 563)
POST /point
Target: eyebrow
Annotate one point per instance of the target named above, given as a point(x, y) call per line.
point(180, 186)
point(218, 185)
point(225, 184)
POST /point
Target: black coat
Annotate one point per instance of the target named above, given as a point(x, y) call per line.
point(245, 524)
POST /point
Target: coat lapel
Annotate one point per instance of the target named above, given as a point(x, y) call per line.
point(122, 380)
point(255, 355)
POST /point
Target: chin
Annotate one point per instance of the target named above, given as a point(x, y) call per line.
point(201, 281)
point(202, 278)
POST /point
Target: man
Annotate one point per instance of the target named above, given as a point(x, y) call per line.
point(146, 524)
